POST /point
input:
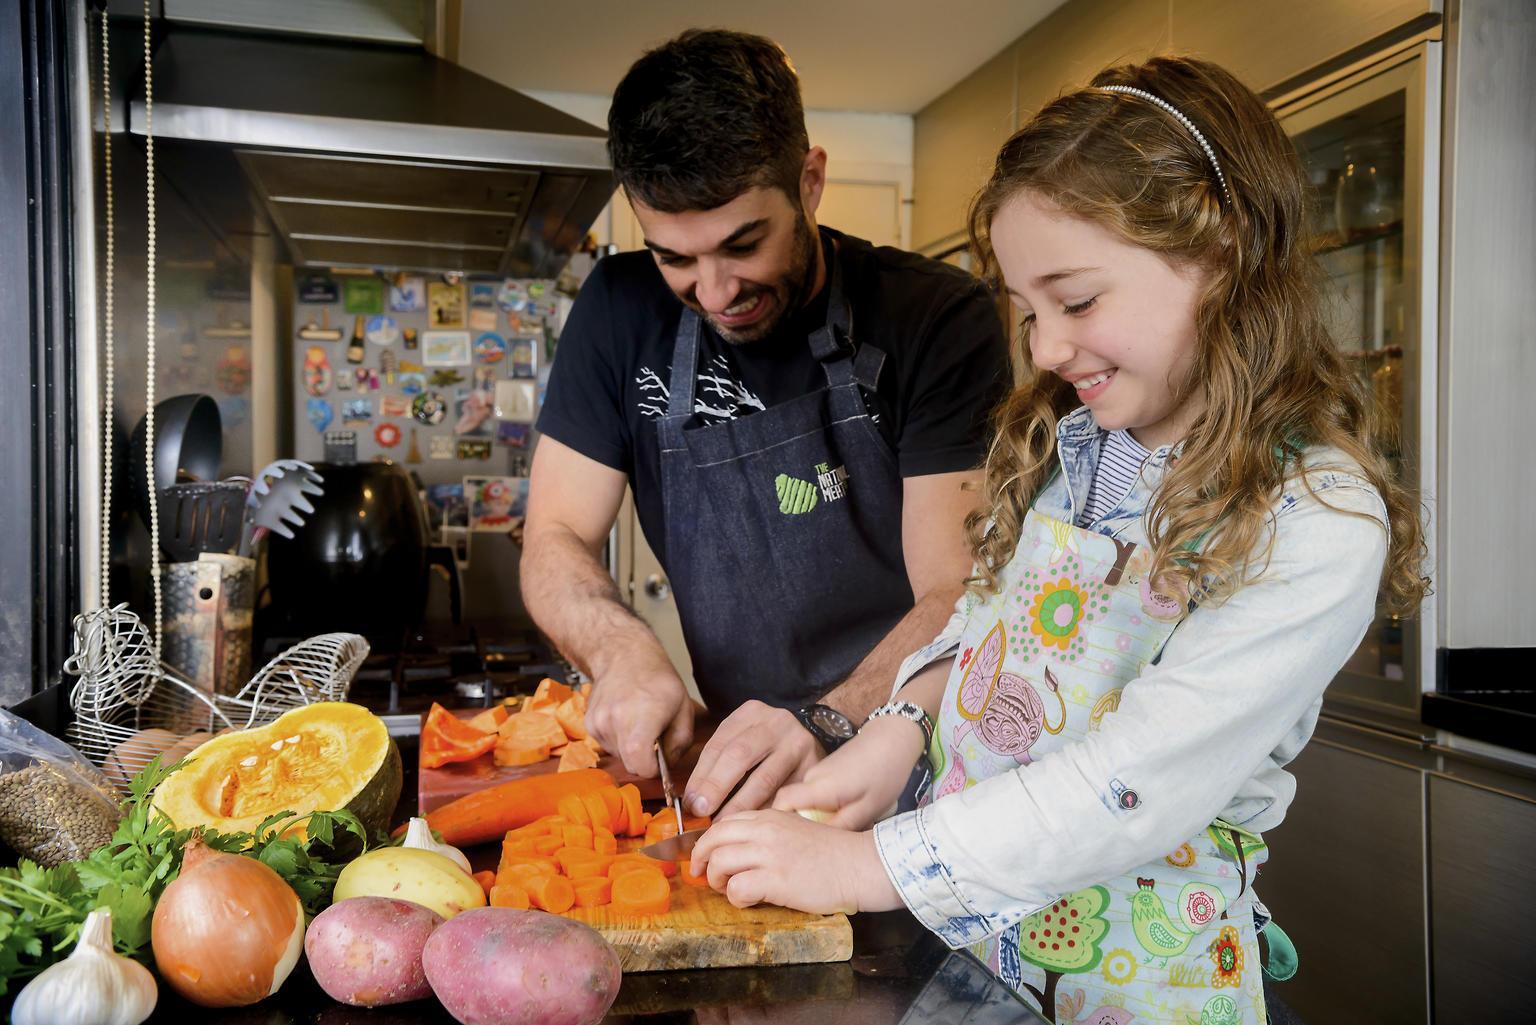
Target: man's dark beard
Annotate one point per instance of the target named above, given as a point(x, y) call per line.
point(791, 292)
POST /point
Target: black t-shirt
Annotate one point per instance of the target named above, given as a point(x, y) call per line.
point(946, 365)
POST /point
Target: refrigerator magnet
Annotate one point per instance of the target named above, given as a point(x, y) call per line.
point(429, 408)
point(357, 412)
point(413, 382)
point(490, 348)
point(445, 304)
point(482, 320)
point(382, 330)
point(440, 446)
point(319, 413)
point(408, 295)
point(364, 295)
point(473, 448)
point(445, 348)
point(515, 400)
point(317, 371)
point(482, 294)
point(387, 435)
point(394, 405)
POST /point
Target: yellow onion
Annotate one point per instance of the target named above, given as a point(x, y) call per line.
point(228, 931)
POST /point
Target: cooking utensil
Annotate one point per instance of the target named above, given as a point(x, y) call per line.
point(189, 443)
point(667, 791)
point(201, 516)
point(277, 501)
point(673, 848)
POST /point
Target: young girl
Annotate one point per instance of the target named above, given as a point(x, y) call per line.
point(1185, 527)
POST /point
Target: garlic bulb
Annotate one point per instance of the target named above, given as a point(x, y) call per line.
point(419, 835)
point(94, 985)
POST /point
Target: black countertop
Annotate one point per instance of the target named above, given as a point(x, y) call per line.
point(899, 973)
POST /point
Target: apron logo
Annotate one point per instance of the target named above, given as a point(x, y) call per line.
point(834, 483)
point(796, 496)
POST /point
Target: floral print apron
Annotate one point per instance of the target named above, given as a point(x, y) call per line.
point(1041, 665)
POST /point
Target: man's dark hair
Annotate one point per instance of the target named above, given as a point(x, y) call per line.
point(701, 119)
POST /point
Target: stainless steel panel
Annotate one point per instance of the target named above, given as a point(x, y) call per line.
point(1346, 883)
point(305, 220)
point(372, 254)
point(1488, 306)
point(1483, 900)
point(397, 183)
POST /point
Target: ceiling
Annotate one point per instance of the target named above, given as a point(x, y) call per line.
point(890, 56)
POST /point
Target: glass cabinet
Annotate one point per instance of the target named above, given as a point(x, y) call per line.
point(1371, 147)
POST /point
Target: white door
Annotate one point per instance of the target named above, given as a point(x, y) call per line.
point(867, 210)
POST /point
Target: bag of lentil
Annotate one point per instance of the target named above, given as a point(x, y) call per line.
point(54, 805)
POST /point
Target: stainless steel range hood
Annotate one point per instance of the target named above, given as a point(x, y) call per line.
point(384, 156)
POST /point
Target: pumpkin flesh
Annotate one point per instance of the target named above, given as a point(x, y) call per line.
point(322, 757)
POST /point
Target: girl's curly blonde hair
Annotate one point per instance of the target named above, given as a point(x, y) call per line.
point(1274, 383)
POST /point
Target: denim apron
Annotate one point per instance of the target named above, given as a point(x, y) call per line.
point(783, 528)
point(1042, 664)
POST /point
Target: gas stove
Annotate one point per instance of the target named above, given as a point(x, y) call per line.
point(460, 667)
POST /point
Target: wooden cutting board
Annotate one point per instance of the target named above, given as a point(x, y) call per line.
point(436, 787)
point(704, 930)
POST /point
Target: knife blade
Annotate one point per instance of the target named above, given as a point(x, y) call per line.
point(673, 848)
point(667, 793)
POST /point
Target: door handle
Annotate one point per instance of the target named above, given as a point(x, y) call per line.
point(656, 586)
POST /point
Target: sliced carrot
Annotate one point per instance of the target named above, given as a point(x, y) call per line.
point(632, 811)
point(687, 876)
point(693, 822)
point(663, 827)
point(579, 836)
point(575, 757)
point(603, 841)
point(586, 867)
point(520, 874)
point(518, 845)
point(543, 864)
point(551, 893)
point(548, 844)
point(641, 893)
point(635, 860)
point(573, 809)
point(594, 892)
point(486, 879)
point(615, 805)
point(566, 856)
point(597, 811)
point(509, 895)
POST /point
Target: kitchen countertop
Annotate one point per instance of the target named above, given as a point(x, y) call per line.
point(900, 973)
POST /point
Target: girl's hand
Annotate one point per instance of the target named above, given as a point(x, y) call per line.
point(861, 780)
point(783, 859)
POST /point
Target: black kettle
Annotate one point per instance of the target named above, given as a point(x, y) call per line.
point(360, 563)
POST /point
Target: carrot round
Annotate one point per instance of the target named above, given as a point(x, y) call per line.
point(579, 836)
point(486, 879)
point(548, 844)
point(604, 842)
point(615, 804)
point(635, 860)
point(509, 895)
point(641, 893)
point(551, 893)
point(630, 794)
point(593, 892)
point(489, 813)
point(683, 865)
point(573, 809)
point(597, 811)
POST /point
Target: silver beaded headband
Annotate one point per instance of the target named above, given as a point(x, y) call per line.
point(1186, 122)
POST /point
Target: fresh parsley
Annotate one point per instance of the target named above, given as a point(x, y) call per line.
point(42, 910)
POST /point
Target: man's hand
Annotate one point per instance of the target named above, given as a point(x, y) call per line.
point(634, 704)
point(767, 742)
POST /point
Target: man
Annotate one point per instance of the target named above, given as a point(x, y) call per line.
point(798, 414)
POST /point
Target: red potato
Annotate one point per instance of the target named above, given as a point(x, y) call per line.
point(366, 951)
point(502, 966)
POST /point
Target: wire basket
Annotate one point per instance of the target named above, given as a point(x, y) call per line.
point(128, 708)
point(317, 669)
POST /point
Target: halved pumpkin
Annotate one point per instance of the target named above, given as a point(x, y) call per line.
point(327, 756)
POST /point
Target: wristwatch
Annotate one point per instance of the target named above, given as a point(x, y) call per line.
point(831, 728)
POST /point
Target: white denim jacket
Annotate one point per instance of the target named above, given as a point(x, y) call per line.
point(1204, 733)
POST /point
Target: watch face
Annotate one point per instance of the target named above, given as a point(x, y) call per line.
point(831, 722)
